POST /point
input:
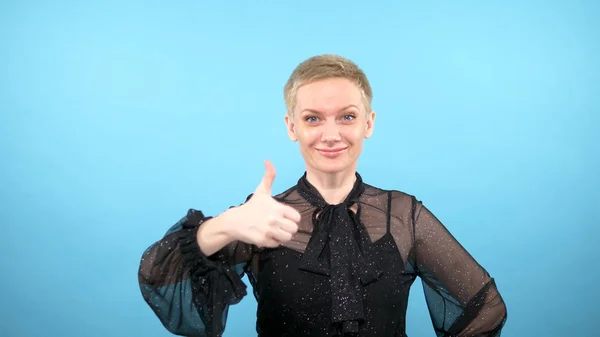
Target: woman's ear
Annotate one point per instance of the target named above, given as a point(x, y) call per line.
point(291, 128)
point(370, 124)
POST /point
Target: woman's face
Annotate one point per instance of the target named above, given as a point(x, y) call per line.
point(330, 124)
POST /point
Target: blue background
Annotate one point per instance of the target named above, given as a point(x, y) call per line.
point(118, 116)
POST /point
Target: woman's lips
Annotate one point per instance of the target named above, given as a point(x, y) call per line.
point(332, 153)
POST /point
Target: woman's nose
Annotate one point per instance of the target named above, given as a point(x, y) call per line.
point(331, 132)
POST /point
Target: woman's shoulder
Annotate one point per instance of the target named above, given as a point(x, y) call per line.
point(394, 194)
point(288, 194)
point(400, 203)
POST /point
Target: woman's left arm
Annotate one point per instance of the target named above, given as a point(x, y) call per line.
point(461, 296)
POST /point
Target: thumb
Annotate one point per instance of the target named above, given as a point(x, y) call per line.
point(267, 180)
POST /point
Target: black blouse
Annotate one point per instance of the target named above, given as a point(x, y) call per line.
point(347, 272)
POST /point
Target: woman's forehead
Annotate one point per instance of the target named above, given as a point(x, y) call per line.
point(333, 110)
point(329, 96)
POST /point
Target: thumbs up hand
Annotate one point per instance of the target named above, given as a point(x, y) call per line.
point(263, 221)
point(267, 181)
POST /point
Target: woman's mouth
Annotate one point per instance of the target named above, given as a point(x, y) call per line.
point(332, 153)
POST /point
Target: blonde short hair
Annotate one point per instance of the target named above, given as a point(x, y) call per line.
point(322, 67)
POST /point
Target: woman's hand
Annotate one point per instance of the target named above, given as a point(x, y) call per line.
point(263, 221)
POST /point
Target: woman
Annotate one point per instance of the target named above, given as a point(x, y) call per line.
point(332, 255)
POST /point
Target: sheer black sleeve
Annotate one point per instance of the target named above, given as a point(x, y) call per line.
point(462, 298)
point(188, 291)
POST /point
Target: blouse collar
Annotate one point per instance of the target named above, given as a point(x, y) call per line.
point(338, 249)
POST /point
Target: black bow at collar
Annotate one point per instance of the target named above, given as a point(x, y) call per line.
point(339, 248)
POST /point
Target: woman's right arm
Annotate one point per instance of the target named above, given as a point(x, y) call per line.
point(190, 288)
point(194, 273)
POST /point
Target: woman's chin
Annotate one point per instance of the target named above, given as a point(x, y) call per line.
point(333, 166)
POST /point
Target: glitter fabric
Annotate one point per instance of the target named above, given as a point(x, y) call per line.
point(347, 272)
point(333, 251)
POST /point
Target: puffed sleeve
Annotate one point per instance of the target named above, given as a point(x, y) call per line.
point(188, 291)
point(461, 296)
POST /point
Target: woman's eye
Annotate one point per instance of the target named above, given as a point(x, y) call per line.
point(311, 119)
point(349, 117)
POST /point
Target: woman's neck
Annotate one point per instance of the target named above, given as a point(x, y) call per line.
point(333, 187)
